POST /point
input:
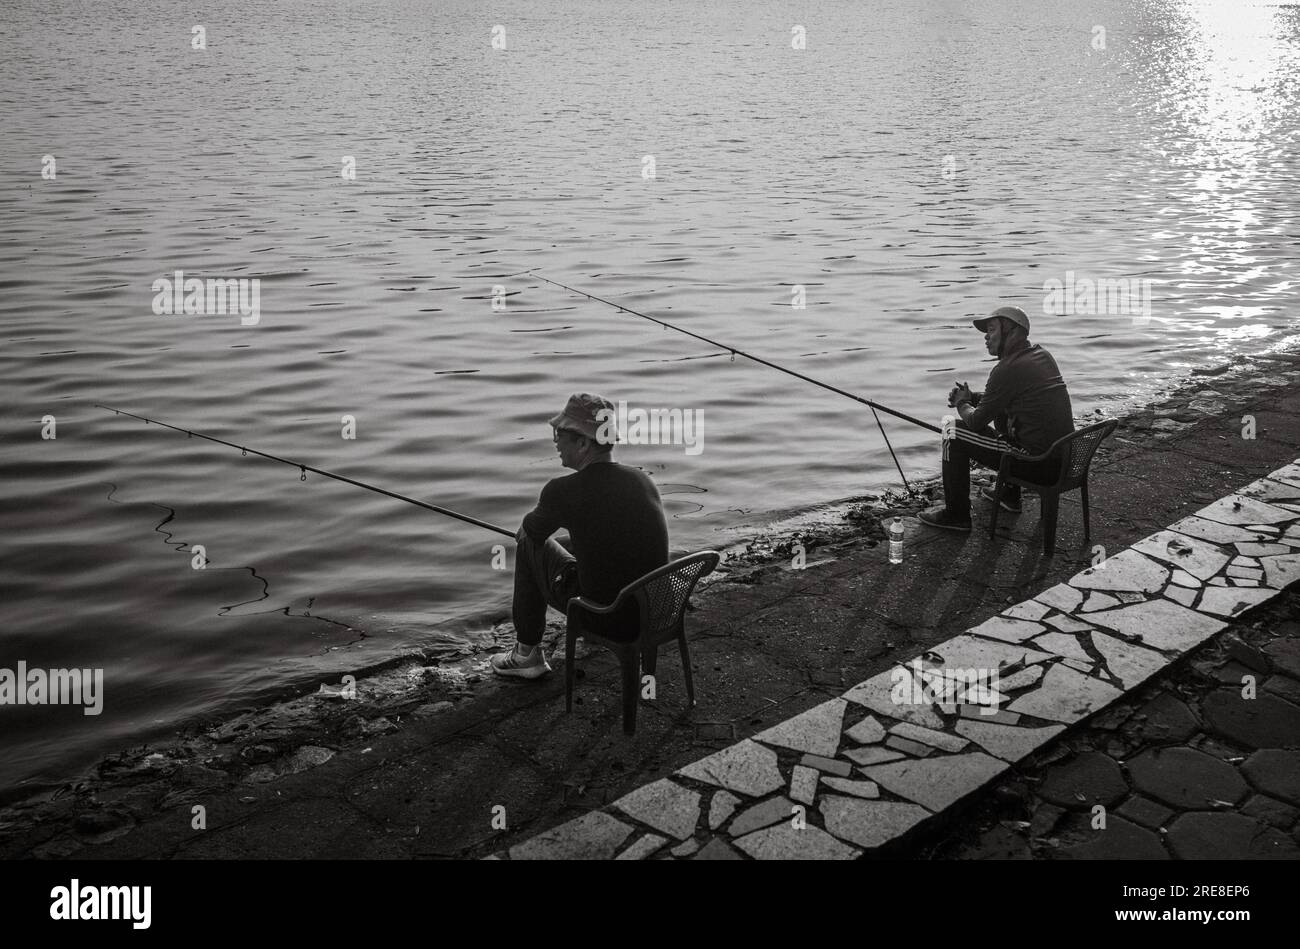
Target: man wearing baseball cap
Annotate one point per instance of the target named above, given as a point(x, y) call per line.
point(616, 527)
point(1027, 402)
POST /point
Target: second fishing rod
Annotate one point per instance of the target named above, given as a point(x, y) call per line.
point(873, 405)
point(436, 508)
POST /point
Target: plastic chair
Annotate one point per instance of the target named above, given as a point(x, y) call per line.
point(1075, 451)
point(661, 597)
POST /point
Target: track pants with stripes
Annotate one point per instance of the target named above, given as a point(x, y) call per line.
point(985, 448)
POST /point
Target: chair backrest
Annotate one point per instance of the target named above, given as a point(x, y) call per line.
point(1076, 451)
point(662, 593)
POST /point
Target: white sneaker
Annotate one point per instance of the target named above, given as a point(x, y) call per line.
point(512, 664)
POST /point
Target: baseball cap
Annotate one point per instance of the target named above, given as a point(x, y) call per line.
point(1012, 313)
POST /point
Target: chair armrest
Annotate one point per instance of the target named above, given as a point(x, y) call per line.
point(591, 606)
point(1016, 456)
point(1010, 456)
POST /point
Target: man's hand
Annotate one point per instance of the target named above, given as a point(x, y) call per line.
point(960, 393)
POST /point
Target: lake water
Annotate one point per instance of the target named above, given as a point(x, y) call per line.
point(914, 165)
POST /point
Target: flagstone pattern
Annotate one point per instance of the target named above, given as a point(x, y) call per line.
point(860, 771)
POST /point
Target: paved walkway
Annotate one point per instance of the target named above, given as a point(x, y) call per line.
point(1180, 768)
point(893, 753)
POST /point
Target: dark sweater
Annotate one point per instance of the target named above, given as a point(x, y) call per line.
point(616, 522)
point(1028, 387)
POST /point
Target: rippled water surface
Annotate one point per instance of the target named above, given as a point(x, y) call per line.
point(917, 164)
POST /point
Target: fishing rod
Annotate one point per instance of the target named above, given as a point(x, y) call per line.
point(758, 359)
point(328, 474)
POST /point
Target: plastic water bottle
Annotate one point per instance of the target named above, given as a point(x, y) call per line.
point(896, 541)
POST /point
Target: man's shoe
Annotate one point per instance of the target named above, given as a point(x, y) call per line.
point(512, 664)
point(939, 517)
point(988, 494)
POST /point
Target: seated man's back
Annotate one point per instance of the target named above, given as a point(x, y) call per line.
point(1027, 386)
point(616, 524)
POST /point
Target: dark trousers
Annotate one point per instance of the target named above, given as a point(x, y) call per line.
point(545, 575)
point(960, 452)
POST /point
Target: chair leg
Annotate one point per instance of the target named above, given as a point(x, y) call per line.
point(1051, 507)
point(1087, 523)
point(650, 659)
point(569, 637)
point(631, 663)
point(997, 506)
point(686, 668)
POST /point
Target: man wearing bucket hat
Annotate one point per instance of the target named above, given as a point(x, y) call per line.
point(1025, 400)
point(617, 533)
